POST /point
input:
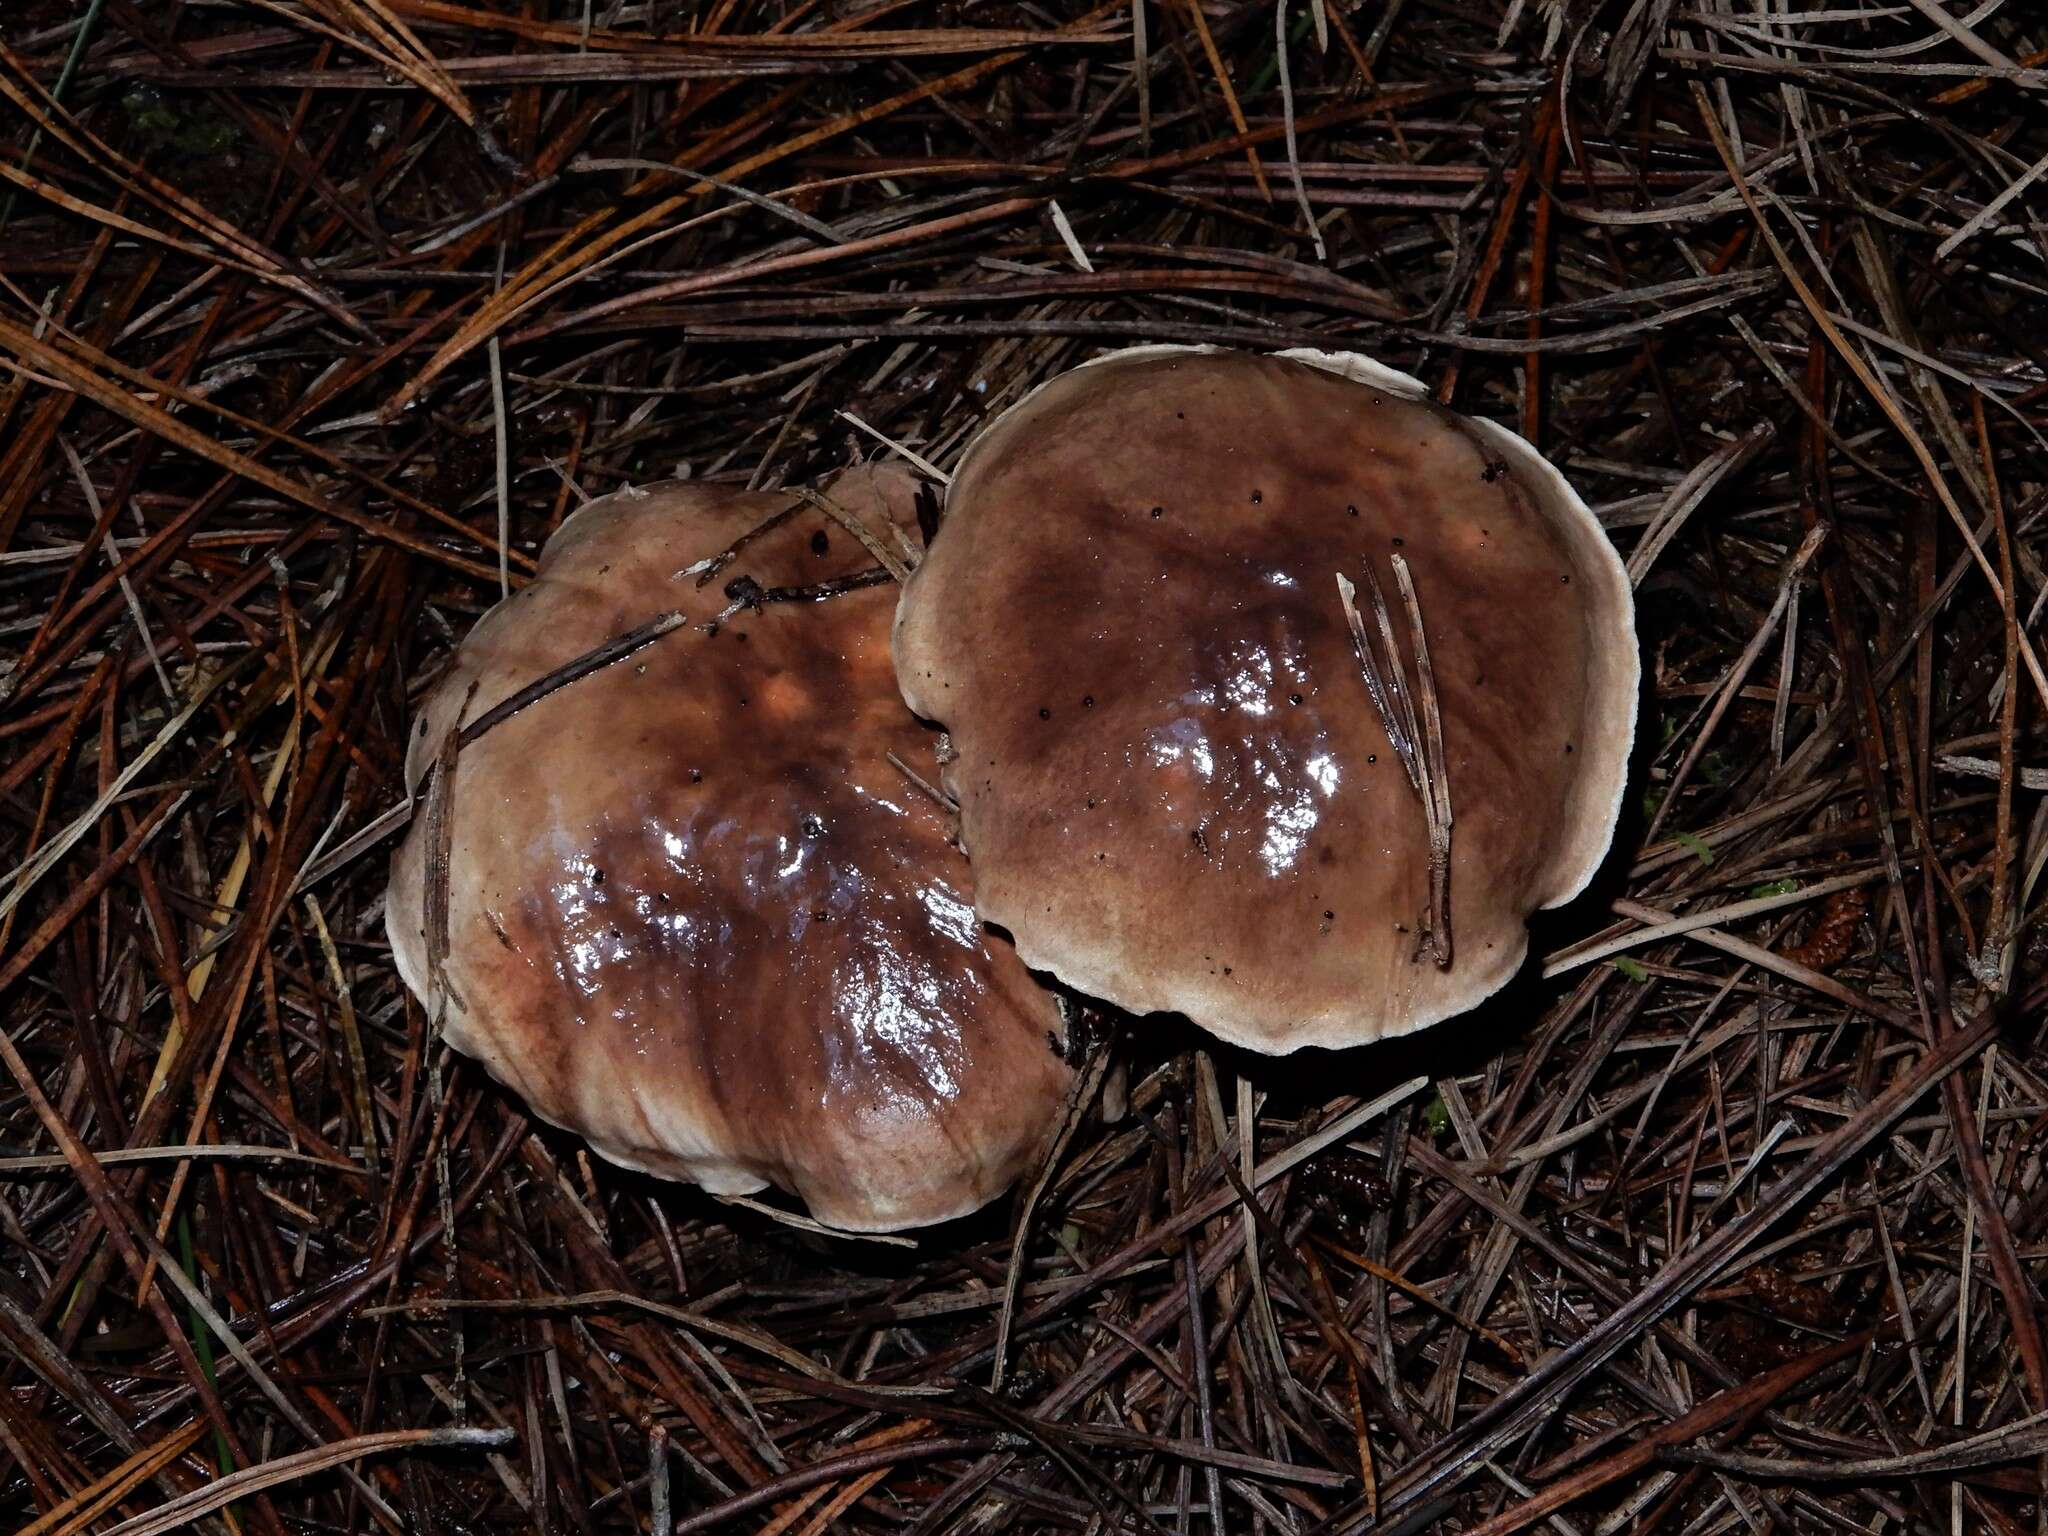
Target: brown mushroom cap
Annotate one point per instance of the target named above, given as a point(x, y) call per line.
point(1173, 786)
point(695, 914)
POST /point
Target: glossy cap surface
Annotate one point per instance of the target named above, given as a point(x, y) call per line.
point(1173, 786)
point(695, 913)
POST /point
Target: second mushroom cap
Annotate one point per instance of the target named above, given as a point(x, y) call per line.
point(694, 910)
point(1174, 787)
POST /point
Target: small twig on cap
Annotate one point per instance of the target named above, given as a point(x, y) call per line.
point(1384, 681)
point(706, 570)
point(938, 796)
point(747, 595)
point(618, 648)
point(440, 847)
point(847, 519)
point(1436, 799)
point(1419, 744)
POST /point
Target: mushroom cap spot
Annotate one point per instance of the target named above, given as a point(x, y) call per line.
point(696, 915)
point(1197, 842)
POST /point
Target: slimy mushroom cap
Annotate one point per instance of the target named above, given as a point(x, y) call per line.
point(694, 912)
point(1173, 787)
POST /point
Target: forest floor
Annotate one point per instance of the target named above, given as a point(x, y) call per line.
point(1729, 1215)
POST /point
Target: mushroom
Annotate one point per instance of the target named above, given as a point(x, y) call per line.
point(694, 911)
point(1185, 781)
